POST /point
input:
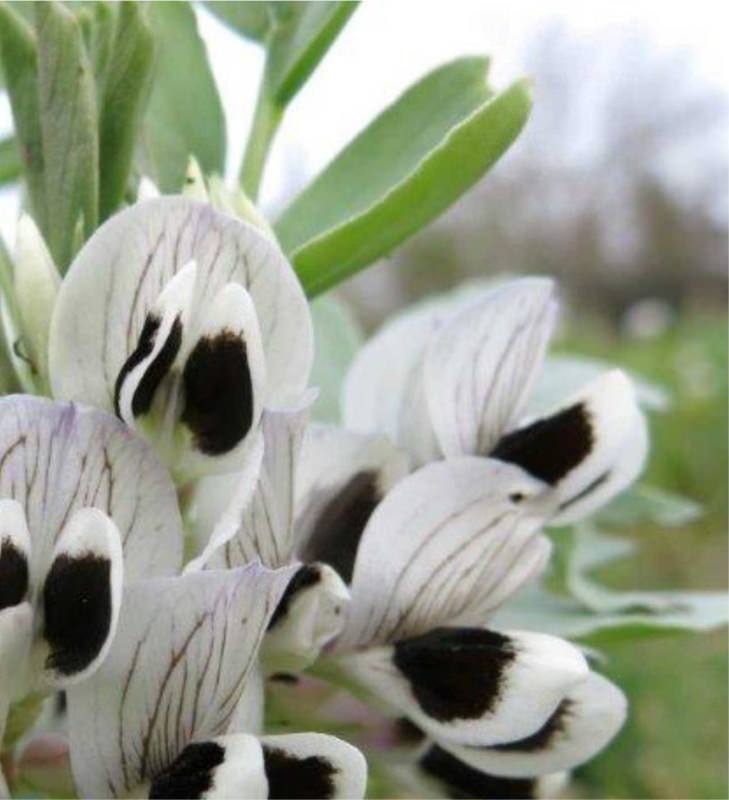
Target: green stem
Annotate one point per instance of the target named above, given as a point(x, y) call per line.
point(266, 120)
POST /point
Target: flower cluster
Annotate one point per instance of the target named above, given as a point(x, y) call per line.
point(207, 576)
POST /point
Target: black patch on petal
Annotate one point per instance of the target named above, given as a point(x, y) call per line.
point(13, 575)
point(156, 371)
point(336, 533)
point(145, 345)
point(218, 393)
point(77, 610)
point(290, 776)
point(455, 673)
point(463, 781)
point(306, 576)
point(407, 732)
point(544, 736)
point(551, 447)
point(190, 775)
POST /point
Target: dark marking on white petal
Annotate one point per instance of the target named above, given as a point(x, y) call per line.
point(455, 673)
point(463, 781)
point(551, 447)
point(13, 575)
point(218, 393)
point(145, 345)
point(190, 775)
point(540, 740)
point(587, 490)
point(290, 776)
point(337, 531)
point(77, 610)
point(306, 576)
point(156, 371)
point(406, 732)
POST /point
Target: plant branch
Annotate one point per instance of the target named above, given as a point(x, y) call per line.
point(266, 119)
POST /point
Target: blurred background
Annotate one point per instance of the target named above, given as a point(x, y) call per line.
point(618, 187)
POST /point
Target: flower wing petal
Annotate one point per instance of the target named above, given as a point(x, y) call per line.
point(455, 778)
point(448, 544)
point(589, 450)
point(313, 765)
point(471, 686)
point(583, 724)
point(81, 598)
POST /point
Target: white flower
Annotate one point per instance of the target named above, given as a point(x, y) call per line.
point(83, 505)
point(430, 557)
point(431, 564)
point(456, 378)
point(172, 711)
point(186, 323)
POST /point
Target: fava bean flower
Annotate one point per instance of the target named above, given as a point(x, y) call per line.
point(185, 323)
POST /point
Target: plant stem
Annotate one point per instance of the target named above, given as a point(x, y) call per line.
point(266, 120)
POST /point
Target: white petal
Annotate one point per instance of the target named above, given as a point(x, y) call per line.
point(480, 366)
point(243, 484)
point(454, 778)
point(224, 384)
point(224, 767)
point(175, 674)
point(16, 632)
point(310, 614)
point(589, 450)
point(583, 724)
point(469, 685)
point(314, 765)
point(342, 477)
point(257, 526)
point(81, 598)
point(446, 545)
point(56, 458)
point(36, 286)
point(120, 272)
point(160, 340)
point(379, 377)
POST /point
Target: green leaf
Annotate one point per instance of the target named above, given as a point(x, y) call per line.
point(337, 338)
point(649, 504)
point(69, 129)
point(126, 83)
point(537, 610)
point(254, 20)
point(10, 164)
point(402, 171)
point(297, 36)
point(185, 116)
point(302, 34)
point(19, 54)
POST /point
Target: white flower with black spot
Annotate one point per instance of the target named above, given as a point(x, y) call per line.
point(185, 323)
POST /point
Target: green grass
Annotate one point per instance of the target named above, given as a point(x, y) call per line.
point(675, 742)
